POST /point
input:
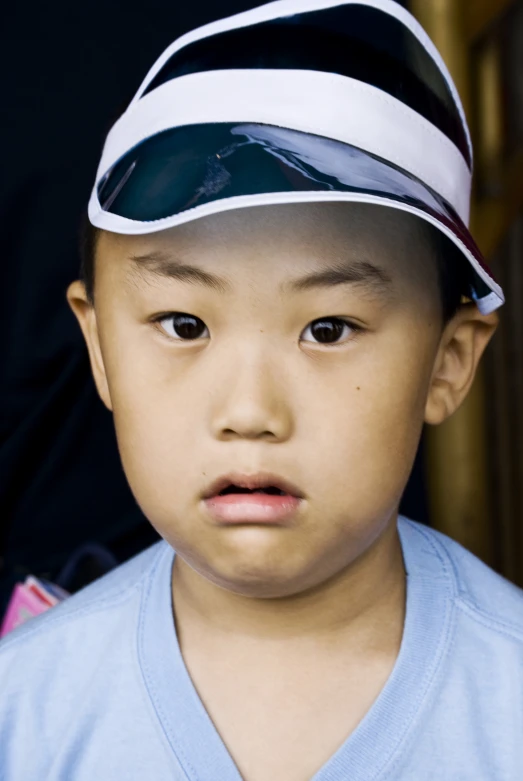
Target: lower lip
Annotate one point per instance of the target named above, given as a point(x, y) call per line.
point(252, 508)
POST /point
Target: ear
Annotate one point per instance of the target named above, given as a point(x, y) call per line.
point(462, 344)
point(86, 316)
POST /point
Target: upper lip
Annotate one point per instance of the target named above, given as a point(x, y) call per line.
point(258, 480)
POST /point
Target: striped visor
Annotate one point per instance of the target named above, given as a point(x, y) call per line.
point(293, 102)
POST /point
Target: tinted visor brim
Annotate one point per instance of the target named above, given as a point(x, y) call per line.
point(188, 172)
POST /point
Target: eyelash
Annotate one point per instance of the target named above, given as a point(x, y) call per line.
point(354, 327)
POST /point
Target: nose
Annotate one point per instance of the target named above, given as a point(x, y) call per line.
point(251, 399)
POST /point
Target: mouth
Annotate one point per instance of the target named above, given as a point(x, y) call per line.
point(242, 499)
point(270, 490)
point(263, 483)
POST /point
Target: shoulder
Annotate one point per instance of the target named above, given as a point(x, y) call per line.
point(71, 673)
point(81, 621)
point(480, 593)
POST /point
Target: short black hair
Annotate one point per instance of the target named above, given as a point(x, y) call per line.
point(88, 241)
point(453, 270)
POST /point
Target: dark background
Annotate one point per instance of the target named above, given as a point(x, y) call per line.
point(67, 70)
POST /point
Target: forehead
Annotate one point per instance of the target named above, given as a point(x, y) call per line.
point(295, 235)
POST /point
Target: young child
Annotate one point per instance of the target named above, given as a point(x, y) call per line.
point(278, 290)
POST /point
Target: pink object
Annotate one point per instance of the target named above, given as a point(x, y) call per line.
point(29, 599)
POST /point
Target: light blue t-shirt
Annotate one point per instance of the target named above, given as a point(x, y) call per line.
point(97, 690)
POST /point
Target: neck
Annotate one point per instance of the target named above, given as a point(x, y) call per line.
point(365, 601)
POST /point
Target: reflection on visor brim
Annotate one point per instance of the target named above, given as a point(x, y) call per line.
point(186, 167)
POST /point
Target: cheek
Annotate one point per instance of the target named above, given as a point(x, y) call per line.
point(158, 421)
point(369, 421)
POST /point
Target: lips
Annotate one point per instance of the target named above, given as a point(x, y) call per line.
point(262, 482)
point(263, 498)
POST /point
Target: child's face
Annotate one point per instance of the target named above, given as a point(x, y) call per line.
point(259, 390)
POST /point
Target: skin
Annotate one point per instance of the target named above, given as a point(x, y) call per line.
point(258, 393)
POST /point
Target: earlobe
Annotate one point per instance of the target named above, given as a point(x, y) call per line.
point(85, 313)
point(462, 344)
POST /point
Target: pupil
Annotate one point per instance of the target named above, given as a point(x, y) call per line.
point(327, 330)
point(188, 327)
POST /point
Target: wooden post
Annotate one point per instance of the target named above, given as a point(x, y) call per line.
point(444, 22)
point(457, 469)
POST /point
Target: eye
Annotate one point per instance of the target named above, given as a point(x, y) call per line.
point(328, 330)
point(180, 325)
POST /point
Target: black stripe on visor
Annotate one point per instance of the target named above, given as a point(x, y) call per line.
point(357, 41)
point(186, 167)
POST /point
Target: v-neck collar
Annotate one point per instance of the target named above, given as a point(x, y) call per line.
point(376, 741)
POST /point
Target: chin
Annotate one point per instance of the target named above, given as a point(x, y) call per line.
point(252, 571)
point(259, 585)
point(261, 578)
point(258, 562)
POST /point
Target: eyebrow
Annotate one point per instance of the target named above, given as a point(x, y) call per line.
point(167, 266)
point(361, 272)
